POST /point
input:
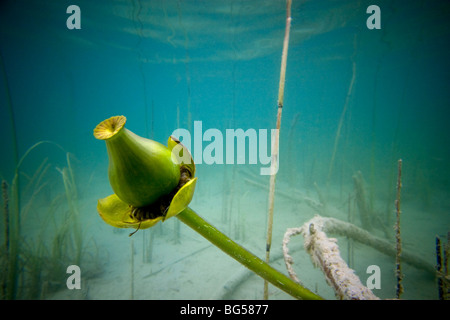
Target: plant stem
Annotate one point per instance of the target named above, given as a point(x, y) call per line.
point(6, 213)
point(275, 150)
point(249, 260)
point(439, 268)
point(398, 269)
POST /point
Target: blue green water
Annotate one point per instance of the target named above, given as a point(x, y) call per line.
point(218, 62)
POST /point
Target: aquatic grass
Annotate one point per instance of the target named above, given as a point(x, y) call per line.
point(45, 261)
point(14, 215)
point(4, 251)
point(34, 188)
point(13, 226)
point(12, 254)
point(33, 261)
point(66, 245)
point(72, 201)
point(36, 260)
point(37, 177)
point(31, 257)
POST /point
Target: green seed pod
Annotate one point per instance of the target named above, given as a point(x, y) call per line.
point(140, 170)
point(151, 182)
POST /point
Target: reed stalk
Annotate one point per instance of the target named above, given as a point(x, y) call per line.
point(275, 150)
point(249, 260)
point(398, 245)
point(72, 202)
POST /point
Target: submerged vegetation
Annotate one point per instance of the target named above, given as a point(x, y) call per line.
point(350, 170)
point(41, 226)
point(41, 236)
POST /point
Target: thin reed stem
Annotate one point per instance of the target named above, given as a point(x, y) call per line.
point(398, 269)
point(275, 146)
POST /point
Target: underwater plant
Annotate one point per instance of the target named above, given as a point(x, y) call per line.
point(151, 183)
point(142, 202)
point(277, 137)
point(40, 241)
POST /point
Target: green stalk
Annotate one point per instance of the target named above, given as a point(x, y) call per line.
point(249, 260)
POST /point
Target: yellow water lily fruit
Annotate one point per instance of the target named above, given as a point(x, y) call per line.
point(151, 182)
